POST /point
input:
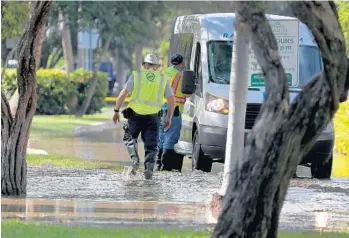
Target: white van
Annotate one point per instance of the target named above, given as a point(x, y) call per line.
point(205, 41)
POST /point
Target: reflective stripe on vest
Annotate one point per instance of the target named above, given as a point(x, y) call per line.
point(175, 83)
point(148, 92)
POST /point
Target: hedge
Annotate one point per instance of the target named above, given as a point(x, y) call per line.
point(341, 129)
point(59, 92)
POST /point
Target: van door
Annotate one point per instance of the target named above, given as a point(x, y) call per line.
point(192, 102)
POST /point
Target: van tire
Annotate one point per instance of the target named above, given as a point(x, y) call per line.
point(199, 160)
point(322, 170)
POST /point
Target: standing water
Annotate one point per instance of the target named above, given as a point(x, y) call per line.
point(104, 197)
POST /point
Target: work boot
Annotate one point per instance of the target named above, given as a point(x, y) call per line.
point(148, 174)
point(134, 169)
point(168, 156)
point(132, 147)
point(130, 171)
point(158, 160)
point(178, 162)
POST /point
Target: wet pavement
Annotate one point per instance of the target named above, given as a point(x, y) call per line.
point(103, 197)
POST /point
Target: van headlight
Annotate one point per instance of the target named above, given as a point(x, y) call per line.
point(216, 104)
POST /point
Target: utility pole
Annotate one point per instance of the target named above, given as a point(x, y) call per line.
point(81, 52)
point(237, 102)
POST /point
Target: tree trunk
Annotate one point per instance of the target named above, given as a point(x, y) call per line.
point(120, 69)
point(81, 51)
point(81, 58)
point(40, 39)
point(14, 103)
point(66, 44)
point(126, 57)
point(46, 52)
point(118, 65)
point(93, 84)
point(56, 57)
point(139, 57)
point(15, 132)
point(283, 133)
point(237, 101)
point(3, 3)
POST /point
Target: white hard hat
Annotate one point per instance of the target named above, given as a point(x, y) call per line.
point(151, 59)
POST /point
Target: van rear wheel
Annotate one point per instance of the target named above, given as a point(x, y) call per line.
point(322, 170)
point(200, 161)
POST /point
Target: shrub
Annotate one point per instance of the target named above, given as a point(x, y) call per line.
point(9, 82)
point(56, 89)
point(83, 78)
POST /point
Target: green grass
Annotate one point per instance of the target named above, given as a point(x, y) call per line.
point(19, 229)
point(70, 162)
point(63, 125)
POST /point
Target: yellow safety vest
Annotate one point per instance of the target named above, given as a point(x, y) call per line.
point(148, 92)
point(176, 83)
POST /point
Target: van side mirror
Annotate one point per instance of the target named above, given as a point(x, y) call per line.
point(188, 82)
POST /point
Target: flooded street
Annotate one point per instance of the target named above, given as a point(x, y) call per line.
point(100, 142)
point(103, 197)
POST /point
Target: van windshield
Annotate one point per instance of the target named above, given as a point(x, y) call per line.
point(220, 54)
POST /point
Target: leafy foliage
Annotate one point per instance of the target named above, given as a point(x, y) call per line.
point(15, 15)
point(56, 89)
point(83, 78)
point(341, 124)
point(343, 13)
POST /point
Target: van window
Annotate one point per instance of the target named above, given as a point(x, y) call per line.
point(309, 63)
point(220, 55)
point(219, 61)
point(182, 43)
point(197, 69)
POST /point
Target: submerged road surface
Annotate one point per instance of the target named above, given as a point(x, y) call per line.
point(102, 197)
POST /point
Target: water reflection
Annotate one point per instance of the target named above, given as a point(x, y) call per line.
point(150, 212)
point(92, 212)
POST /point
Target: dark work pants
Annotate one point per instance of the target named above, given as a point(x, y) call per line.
point(167, 157)
point(147, 126)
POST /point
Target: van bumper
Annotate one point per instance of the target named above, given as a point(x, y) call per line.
point(213, 141)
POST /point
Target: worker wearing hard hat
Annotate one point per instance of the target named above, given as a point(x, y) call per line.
point(167, 158)
point(148, 89)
